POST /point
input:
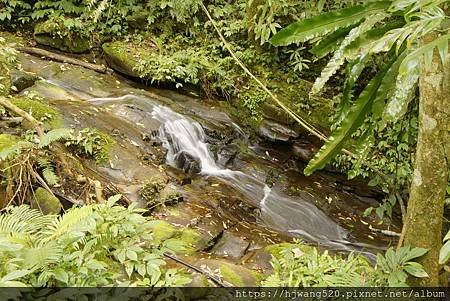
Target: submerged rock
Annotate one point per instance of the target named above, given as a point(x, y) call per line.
point(49, 33)
point(188, 163)
point(46, 202)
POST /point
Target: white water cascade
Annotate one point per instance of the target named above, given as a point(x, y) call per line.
point(179, 134)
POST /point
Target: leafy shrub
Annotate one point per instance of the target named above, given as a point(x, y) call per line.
point(95, 245)
point(297, 265)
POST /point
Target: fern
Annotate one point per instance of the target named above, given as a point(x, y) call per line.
point(404, 92)
point(53, 136)
point(370, 97)
point(16, 149)
point(68, 221)
point(48, 172)
point(323, 24)
point(338, 58)
point(330, 43)
point(412, 60)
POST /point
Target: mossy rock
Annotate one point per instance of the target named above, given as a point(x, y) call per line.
point(162, 230)
point(46, 202)
point(13, 38)
point(169, 194)
point(22, 80)
point(121, 57)
point(7, 141)
point(236, 275)
point(40, 111)
point(192, 239)
point(57, 36)
point(5, 80)
point(151, 189)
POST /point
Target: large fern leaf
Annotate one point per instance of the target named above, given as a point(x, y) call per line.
point(404, 92)
point(23, 219)
point(67, 222)
point(54, 135)
point(355, 117)
point(412, 60)
point(14, 150)
point(353, 71)
point(338, 58)
point(323, 24)
point(359, 46)
point(330, 43)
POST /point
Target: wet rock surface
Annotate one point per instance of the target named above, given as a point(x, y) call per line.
point(222, 221)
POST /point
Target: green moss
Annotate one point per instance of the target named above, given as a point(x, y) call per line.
point(56, 35)
point(191, 238)
point(46, 202)
point(231, 276)
point(5, 80)
point(162, 230)
point(40, 111)
point(151, 188)
point(7, 141)
point(122, 57)
point(11, 38)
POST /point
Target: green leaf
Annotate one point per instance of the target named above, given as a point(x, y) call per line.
point(444, 254)
point(351, 122)
point(53, 136)
point(415, 269)
point(323, 24)
point(413, 59)
point(330, 43)
point(415, 253)
point(338, 58)
point(132, 255)
point(359, 46)
point(447, 236)
point(16, 275)
point(61, 275)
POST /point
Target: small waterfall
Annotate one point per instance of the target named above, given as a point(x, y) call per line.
point(180, 135)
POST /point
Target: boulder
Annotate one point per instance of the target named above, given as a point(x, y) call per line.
point(274, 131)
point(120, 58)
point(230, 245)
point(22, 80)
point(188, 163)
point(57, 36)
point(304, 150)
point(46, 202)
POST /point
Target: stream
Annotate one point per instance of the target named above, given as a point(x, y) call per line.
point(200, 140)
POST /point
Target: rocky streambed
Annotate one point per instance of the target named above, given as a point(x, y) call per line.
point(229, 195)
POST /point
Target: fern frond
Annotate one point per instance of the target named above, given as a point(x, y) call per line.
point(54, 135)
point(323, 24)
point(48, 172)
point(23, 219)
point(41, 255)
point(359, 46)
point(70, 219)
point(371, 97)
point(16, 149)
point(412, 60)
point(330, 43)
point(338, 58)
point(402, 96)
point(353, 71)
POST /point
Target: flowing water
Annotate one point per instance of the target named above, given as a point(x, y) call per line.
point(183, 124)
point(180, 135)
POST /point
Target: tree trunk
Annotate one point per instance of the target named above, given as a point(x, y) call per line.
point(423, 225)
